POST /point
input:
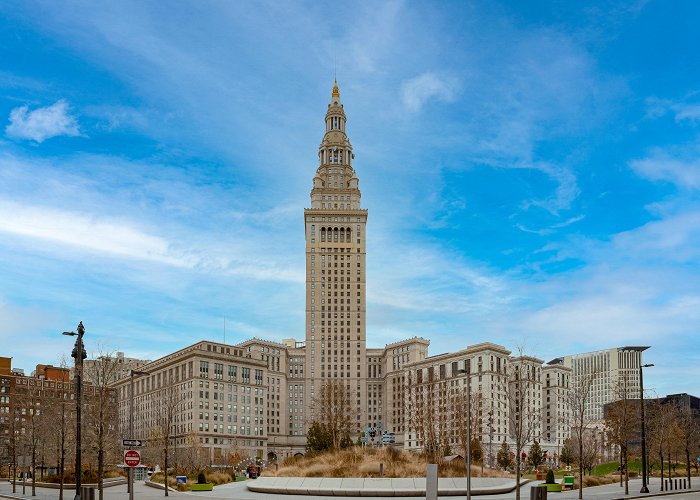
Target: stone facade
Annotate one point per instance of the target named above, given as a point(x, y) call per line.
point(219, 399)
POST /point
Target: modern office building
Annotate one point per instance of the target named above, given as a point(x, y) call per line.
point(612, 370)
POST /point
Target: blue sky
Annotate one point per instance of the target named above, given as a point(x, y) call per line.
point(530, 168)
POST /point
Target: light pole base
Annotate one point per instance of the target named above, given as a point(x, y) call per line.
point(644, 489)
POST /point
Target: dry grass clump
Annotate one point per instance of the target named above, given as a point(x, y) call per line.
point(216, 478)
point(597, 480)
point(364, 462)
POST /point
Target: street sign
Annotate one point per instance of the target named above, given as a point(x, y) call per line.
point(132, 442)
point(132, 458)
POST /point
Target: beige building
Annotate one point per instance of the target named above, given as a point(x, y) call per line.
point(556, 406)
point(335, 347)
point(122, 367)
point(218, 395)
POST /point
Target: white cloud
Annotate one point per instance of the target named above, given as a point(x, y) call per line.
point(415, 92)
point(42, 123)
point(682, 111)
point(661, 167)
point(86, 231)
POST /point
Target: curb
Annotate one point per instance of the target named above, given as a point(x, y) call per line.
point(660, 494)
point(379, 492)
point(159, 486)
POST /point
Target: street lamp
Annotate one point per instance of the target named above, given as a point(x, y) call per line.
point(645, 488)
point(79, 355)
point(134, 373)
point(468, 458)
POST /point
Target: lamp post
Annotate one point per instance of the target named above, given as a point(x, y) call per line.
point(468, 458)
point(79, 355)
point(645, 488)
point(134, 373)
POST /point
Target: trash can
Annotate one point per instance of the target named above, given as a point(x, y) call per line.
point(87, 493)
point(538, 492)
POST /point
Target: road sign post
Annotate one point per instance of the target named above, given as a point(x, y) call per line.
point(132, 442)
point(132, 458)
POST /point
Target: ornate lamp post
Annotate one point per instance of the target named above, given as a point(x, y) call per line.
point(645, 488)
point(79, 355)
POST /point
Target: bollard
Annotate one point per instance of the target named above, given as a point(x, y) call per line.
point(684, 486)
point(675, 487)
point(381, 470)
point(431, 482)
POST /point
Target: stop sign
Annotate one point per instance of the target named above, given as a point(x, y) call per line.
point(132, 458)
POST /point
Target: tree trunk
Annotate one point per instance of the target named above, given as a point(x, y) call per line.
point(165, 469)
point(33, 468)
point(627, 473)
point(517, 475)
point(580, 467)
point(669, 466)
point(62, 453)
point(100, 453)
point(661, 454)
point(621, 466)
point(687, 468)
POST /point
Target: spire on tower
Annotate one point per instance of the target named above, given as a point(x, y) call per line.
point(336, 92)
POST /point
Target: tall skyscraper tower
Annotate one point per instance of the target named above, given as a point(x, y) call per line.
point(335, 267)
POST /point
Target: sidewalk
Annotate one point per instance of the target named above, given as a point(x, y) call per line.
point(239, 491)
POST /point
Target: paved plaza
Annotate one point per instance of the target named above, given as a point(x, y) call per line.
point(239, 491)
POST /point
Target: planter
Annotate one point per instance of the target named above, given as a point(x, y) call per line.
point(540, 476)
point(554, 487)
point(202, 487)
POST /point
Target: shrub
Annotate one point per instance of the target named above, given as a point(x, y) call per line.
point(550, 477)
point(201, 478)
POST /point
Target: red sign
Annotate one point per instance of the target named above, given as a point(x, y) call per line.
point(132, 458)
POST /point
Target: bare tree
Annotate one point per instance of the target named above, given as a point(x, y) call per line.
point(458, 410)
point(579, 399)
point(32, 422)
point(422, 408)
point(621, 424)
point(523, 414)
point(14, 431)
point(334, 412)
point(102, 410)
point(164, 432)
point(688, 433)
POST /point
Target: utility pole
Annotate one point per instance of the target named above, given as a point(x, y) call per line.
point(468, 458)
point(133, 373)
point(645, 488)
point(79, 355)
